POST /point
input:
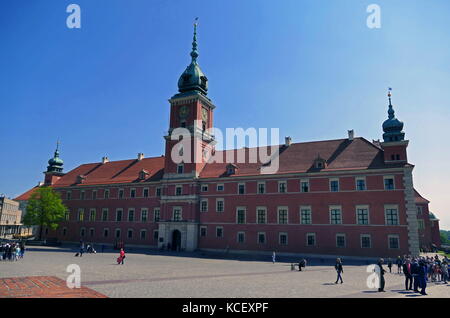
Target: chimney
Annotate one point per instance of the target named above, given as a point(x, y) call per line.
point(140, 156)
point(287, 141)
point(105, 160)
point(351, 135)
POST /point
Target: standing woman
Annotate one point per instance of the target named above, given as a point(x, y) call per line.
point(122, 255)
point(382, 271)
point(339, 270)
point(273, 257)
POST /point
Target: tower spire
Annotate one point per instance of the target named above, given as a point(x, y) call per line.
point(391, 111)
point(194, 52)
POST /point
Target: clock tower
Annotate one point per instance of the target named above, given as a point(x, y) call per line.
point(189, 140)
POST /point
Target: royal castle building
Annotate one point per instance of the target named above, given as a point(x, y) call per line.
point(347, 196)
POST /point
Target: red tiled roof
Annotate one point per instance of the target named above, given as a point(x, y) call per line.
point(340, 155)
point(25, 196)
point(418, 198)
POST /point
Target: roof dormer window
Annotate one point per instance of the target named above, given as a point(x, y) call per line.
point(231, 169)
point(320, 163)
point(143, 174)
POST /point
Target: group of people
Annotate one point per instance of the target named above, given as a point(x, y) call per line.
point(89, 249)
point(12, 251)
point(419, 271)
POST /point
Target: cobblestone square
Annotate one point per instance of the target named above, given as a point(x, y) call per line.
point(185, 275)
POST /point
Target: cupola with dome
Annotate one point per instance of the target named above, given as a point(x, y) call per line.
point(392, 127)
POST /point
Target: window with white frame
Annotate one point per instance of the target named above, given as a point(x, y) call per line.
point(91, 232)
point(82, 195)
point(340, 240)
point(67, 215)
point(220, 187)
point(204, 188)
point(282, 215)
point(389, 183)
point(118, 233)
point(282, 186)
point(144, 215)
point(261, 187)
point(158, 191)
point(393, 241)
point(155, 235)
point(304, 185)
point(361, 184)
point(119, 213)
point(219, 205)
point(261, 215)
point(179, 190)
point(419, 210)
point(335, 215)
point(106, 194)
point(261, 238)
point(176, 214)
point(366, 241)
point(219, 231)
point(204, 205)
point(240, 215)
point(362, 215)
point(94, 195)
point(105, 232)
point(180, 168)
point(130, 215)
point(145, 193)
point(92, 215)
point(132, 193)
point(391, 214)
point(121, 192)
point(68, 195)
point(156, 214)
point(305, 215)
point(421, 224)
point(241, 188)
point(104, 214)
point(203, 231)
point(143, 234)
point(80, 214)
point(82, 232)
point(334, 185)
point(283, 238)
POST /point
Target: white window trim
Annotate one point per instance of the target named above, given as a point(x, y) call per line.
point(285, 186)
point(265, 214)
point(107, 214)
point(278, 214)
point(142, 212)
point(257, 188)
point(223, 234)
point(335, 207)
point(176, 190)
point(366, 207)
point(206, 231)
point(132, 234)
point(117, 210)
point(361, 238)
point(103, 232)
point(148, 192)
point(173, 212)
point(390, 207)
point(305, 207)
point(265, 238)
point(279, 238)
point(356, 183)
point(329, 184)
point(384, 183)
point(237, 237)
point(241, 208)
point(90, 214)
point(134, 214)
point(389, 239)
point(201, 204)
point(304, 181)
point(245, 190)
point(223, 205)
point(223, 187)
point(140, 234)
point(135, 193)
point(204, 185)
point(345, 240)
point(154, 214)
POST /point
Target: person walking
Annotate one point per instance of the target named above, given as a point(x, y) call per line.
point(422, 277)
point(444, 270)
point(121, 256)
point(389, 264)
point(273, 257)
point(399, 263)
point(415, 273)
point(382, 271)
point(339, 270)
point(408, 275)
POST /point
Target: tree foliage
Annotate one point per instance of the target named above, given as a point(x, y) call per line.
point(45, 208)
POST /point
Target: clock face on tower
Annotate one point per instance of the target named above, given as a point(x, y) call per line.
point(184, 111)
point(204, 115)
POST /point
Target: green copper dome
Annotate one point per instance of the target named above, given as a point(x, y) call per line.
point(193, 78)
point(392, 127)
point(55, 164)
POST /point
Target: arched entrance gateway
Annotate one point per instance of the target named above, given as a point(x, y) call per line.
point(176, 240)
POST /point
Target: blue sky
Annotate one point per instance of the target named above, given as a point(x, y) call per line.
point(309, 67)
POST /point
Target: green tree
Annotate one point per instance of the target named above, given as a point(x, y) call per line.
point(444, 238)
point(44, 208)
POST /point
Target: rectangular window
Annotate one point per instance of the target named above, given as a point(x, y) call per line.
point(203, 231)
point(394, 242)
point(67, 215)
point(220, 187)
point(204, 205)
point(304, 185)
point(261, 215)
point(92, 215)
point(145, 193)
point(205, 188)
point(240, 216)
point(362, 215)
point(156, 214)
point(241, 188)
point(155, 235)
point(82, 195)
point(219, 205)
point(391, 216)
point(178, 190)
point(282, 187)
point(283, 239)
point(104, 215)
point(105, 232)
point(94, 195)
point(305, 215)
point(120, 193)
point(143, 234)
point(130, 215)
point(176, 214)
point(340, 240)
point(68, 195)
point(132, 193)
point(130, 234)
point(282, 215)
point(421, 224)
point(335, 215)
point(261, 188)
point(241, 237)
point(118, 233)
point(389, 183)
point(311, 239)
point(81, 215)
point(219, 231)
point(180, 169)
point(106, 194)
point(119, 213)
point(360, 184)
point(334, 185)
point(366, 241)
point(91, 232)
point(144, 215)
point(261, 238)
point(158, 192)
point(419, 210)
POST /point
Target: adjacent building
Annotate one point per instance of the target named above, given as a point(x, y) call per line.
point(347, 196)
point(10, 218)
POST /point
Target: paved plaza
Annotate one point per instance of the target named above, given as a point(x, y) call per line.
point(182, 275)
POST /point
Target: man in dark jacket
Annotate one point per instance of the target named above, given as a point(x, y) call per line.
point(415, 274)
point(382, 271)
point(422, 277)
point(339, 270)
point(408, 276)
